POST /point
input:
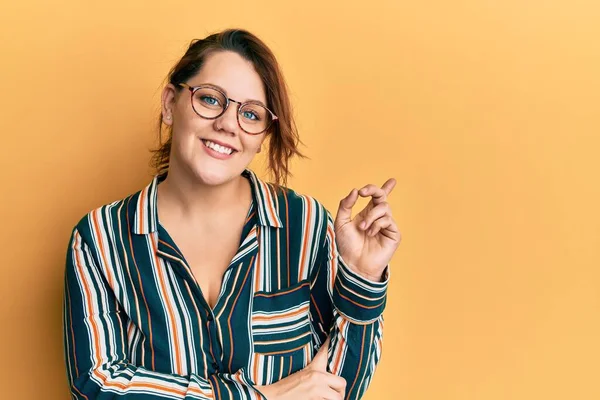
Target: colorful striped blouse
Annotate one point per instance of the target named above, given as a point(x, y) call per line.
point(136, 325)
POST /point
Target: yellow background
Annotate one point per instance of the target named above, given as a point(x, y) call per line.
point(487, 113)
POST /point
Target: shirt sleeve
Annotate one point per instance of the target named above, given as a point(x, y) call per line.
point(348, 308)
point(96, 351)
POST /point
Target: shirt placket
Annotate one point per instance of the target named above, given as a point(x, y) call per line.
point(168, 250)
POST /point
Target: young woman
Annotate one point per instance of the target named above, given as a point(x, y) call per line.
point(213, 284)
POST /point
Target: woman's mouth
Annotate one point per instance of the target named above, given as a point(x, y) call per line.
point(217, 150)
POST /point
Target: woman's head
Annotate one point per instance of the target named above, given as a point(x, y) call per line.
point(201, 107)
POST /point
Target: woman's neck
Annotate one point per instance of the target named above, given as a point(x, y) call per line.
point(183, 198)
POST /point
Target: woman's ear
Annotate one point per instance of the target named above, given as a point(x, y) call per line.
point(168, 104)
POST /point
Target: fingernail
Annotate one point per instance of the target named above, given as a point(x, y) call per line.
point(363, 225)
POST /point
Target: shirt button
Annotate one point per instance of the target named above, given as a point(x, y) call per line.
point(209, 317)
point(215, 366)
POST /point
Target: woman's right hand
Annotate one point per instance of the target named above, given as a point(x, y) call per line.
point(311, 383)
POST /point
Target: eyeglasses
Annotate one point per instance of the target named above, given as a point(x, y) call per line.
point(210, 102)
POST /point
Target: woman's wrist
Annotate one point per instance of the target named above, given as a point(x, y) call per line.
point(373, 276)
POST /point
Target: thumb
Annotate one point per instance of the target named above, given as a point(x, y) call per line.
point(344, 213)
point(319, 363)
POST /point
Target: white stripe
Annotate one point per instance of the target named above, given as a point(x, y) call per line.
point(182, 309)
point(158, 268)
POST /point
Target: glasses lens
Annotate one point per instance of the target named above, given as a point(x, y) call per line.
point(208, 102)
point(254, 118)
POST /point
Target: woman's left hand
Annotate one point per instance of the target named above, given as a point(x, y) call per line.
point(367, 242)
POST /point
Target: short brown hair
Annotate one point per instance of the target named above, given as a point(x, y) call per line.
point(283, 135)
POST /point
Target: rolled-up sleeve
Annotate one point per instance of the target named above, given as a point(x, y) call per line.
point(348, 309)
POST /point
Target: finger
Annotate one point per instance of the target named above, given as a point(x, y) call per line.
point(381, 223)
point(375, 213)
point(337, 383)
point(344, 213)
point(387, 227)
point(388, 186)
point(379, 194)
point(319, 362)
point(331, 394)
point(375, 191)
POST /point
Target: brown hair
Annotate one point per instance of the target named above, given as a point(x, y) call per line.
point(283, 134)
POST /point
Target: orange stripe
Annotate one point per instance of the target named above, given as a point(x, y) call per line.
point(269, 198)
point(77, 390)
point(141, 286)
point(362, 347)
point(362, 296)
point(279, 352)
point(341, 344)
point(266, 342)
point(169, 309)
point(281, 293)
point(301, 310)
point(173, 248)
point(355, 303)
point(144, 385)
point(105, 257)
point(218, 390)
point(250, 217)
point(140, 207)
point(171, 257)
point(317, 307)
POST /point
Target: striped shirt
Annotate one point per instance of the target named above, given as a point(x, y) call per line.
point(136, 325)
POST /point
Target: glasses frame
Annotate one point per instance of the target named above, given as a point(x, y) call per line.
point(194, 89)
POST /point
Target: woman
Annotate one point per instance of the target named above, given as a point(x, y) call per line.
point(210, 283)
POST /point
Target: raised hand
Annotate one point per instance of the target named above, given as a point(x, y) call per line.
point(367, 242)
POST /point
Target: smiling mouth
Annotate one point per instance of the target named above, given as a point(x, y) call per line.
point(218, 148)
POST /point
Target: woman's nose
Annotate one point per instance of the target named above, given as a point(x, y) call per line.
point(228, 121)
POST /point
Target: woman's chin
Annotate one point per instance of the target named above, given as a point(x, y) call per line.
point(215, 175)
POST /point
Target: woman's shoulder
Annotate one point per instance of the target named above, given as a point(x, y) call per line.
point(283, 200)
point(293, 204)
point(109, 219)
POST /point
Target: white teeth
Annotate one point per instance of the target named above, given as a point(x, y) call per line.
point(218, 148)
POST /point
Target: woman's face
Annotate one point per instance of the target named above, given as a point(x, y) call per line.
point(193, 136)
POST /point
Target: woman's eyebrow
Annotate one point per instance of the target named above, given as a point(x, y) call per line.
point(243, 101)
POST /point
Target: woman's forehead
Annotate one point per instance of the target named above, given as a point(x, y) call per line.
point(232, 73)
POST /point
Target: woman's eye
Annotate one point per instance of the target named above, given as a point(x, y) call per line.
point(250, 115)
point(211, 101)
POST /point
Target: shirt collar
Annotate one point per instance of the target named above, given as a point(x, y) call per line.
point(263, 195)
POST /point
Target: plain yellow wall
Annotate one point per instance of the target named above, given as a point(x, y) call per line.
point(486, 112)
